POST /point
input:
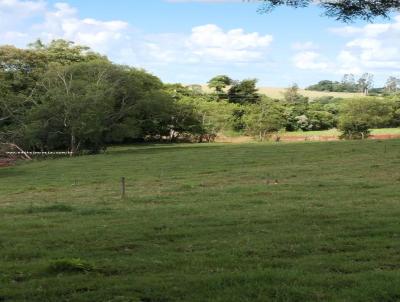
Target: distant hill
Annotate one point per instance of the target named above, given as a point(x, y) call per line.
point(277, 93)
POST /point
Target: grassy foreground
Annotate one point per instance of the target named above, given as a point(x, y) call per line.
point(252, 222)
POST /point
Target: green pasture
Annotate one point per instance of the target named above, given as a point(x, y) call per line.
point(205, 222)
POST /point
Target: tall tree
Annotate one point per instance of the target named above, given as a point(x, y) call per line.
point(343, 10)
point(292, 95)
point(21, 78)
point(357, 116)
point(244, 92)
point(219, 83)
point(365, 82)
point(392, 84)
point(264, 118)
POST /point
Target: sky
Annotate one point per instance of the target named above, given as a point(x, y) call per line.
point(190, 41)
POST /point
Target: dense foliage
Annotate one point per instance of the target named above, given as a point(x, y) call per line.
point(344, 10)
point(63, 96)
point(359, 115)
point(348, 84)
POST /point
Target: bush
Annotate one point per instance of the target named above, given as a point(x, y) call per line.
point(354, 130)
point(357, 116)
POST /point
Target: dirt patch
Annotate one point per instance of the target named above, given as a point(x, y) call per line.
point(233, 139)
point(314, 138)
point(6, 162)
point(384, 136)
point(297, 138)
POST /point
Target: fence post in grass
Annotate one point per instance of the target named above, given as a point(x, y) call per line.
point(122, 187)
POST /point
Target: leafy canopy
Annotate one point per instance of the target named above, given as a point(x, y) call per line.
point(343, 10)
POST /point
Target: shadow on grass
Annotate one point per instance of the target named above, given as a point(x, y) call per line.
point(160, 148)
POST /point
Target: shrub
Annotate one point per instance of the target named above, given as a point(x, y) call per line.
point(359, 115)
point(354, 130)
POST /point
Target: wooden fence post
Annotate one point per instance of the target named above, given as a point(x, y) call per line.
point(122, 187)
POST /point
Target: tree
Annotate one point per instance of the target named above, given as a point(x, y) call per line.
point(65, 52)
point(359, 115)
point(365, 82)
point(21, 75)
point(185, 123)
point(349, 83)
point(20, 71)
point(219, 83)
point(392, 84)
point(215, 116)
point(244, 92)
point(292, 95)
point(264, 118)
point(324, 85)
point(74, 109)
point(85, 106)
point(343, 10)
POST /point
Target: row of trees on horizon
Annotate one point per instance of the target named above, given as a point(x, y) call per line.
point(363, 84)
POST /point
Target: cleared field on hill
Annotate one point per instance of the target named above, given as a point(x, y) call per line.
point(212, 222)
point(277, 93)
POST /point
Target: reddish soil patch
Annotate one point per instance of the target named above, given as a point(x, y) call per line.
point(288, 138)
point(233, 139)
point(296, 138)
point(5, 162)
point(384, 136)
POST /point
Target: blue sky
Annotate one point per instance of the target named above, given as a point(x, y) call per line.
point(190, 41)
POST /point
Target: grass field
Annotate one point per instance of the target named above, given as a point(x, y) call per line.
point(278, 93)
point(212, 222)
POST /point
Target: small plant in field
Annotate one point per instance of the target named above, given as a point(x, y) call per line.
point(73, 265)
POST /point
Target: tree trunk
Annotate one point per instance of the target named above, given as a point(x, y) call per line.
point(73, 144)
point(172, 135)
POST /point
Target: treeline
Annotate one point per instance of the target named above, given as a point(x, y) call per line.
point(62, 96)
point(266, 116)
point(349, 83)
point(364, 84)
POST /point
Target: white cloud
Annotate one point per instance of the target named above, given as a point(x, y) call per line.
point(310, 60)
point(15, 12)
point(208, 44)
point(187, 57)
point(211, 43)
point(309, 45)
point(370, 48)
point(37, 20)
point(204, 1)
point(63, 22)
point(373, 47)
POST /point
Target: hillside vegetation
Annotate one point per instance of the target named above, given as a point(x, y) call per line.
point(205, 222)
point(61, 96)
